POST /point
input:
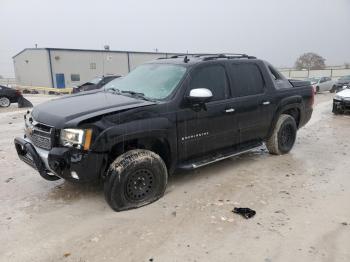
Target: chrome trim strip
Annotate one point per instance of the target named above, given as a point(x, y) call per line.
point(194, 166)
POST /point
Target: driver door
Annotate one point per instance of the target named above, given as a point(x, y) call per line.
point(205, 129)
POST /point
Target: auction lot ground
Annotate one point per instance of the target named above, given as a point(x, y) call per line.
point(301, 200)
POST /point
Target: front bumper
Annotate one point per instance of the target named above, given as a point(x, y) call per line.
point(341, 105)
point(68, 163)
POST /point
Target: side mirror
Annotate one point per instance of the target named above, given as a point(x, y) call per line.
point(199, 96)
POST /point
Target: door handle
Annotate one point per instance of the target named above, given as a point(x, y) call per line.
point(229, 110)
point(265, 103)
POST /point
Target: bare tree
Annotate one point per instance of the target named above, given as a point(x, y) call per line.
point(310, 61)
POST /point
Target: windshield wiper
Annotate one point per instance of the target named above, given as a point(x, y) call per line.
point(136, 94)
point(115, 90)
point(133, 93)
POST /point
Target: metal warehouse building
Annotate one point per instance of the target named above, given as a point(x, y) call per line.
point(60, 68)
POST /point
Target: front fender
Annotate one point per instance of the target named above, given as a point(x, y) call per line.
point(144, 128)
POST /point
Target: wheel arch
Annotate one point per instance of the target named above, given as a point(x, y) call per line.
point(157, 144)
point(293, 109)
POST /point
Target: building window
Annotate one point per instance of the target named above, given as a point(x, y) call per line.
point(92, 65)
point(75, 77)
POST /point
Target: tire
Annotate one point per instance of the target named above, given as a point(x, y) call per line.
point(283, 137)
point(333, 89)
point(317, 89)
point(136, 178)
point(4, 101)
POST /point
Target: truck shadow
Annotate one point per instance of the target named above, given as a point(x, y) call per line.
point(69, 192)
point(216, 169)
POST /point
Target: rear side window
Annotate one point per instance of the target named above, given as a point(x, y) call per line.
point(212, 77)
point(275, 75)
point(247, 79)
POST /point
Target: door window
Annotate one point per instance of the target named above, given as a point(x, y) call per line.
point(247, 79)
point(211, 77)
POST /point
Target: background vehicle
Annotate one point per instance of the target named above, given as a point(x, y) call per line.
point(178, 113)
point(343, 82)
point(341, 101)
point(8, 96)
point(93, 84)
point(321, 84)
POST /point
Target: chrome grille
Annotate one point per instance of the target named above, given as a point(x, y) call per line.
point(40, 135)
point(41, 141)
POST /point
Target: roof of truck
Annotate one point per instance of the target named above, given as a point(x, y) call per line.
point(197, 58)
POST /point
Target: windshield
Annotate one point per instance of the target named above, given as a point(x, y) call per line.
point(95, 81)
point(155, 81)
point(345, 78)
point(314, 80)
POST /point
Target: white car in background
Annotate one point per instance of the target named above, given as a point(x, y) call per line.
point(321, 84)
point(341, 102)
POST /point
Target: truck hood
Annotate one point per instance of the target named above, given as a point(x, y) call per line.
point(68, 111)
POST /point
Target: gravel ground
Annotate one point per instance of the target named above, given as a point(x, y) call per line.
point(301, 200)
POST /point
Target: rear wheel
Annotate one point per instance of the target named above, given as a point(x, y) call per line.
point(136, 178)
point(283, 137)
point(334, 88)
point(4, 101)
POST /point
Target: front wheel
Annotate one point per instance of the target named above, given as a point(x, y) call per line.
point(136, 178)
point(283, 137)
point(4, 101)
point(334, 88)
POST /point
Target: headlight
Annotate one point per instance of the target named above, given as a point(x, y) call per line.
point(79, 138)
point(338, 97)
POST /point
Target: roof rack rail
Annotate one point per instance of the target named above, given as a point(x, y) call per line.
point(207, 57)
point(228, 56)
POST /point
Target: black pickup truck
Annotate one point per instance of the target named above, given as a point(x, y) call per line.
point(179, 113)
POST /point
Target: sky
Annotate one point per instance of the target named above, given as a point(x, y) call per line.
point(276, 30)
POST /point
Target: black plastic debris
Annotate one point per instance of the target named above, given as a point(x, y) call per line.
point(22, 102)
point(244, 212)
point(9, 179)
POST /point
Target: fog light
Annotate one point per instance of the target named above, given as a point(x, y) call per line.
point(74, 175)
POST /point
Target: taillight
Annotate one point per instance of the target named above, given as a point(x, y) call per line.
point(18, 92)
